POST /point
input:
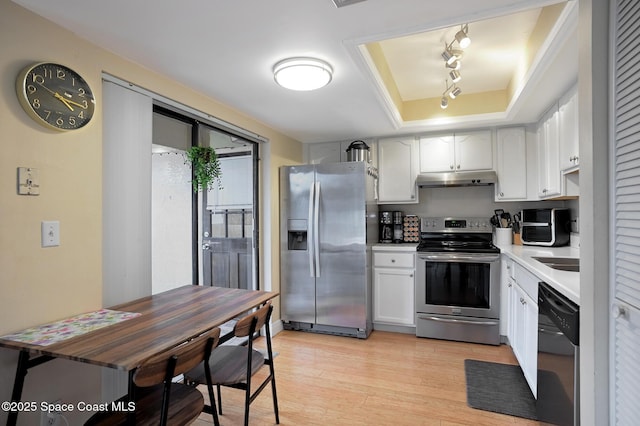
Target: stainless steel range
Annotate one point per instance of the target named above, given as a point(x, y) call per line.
point(458, 280)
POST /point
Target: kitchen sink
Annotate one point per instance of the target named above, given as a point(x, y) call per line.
point(561, 263)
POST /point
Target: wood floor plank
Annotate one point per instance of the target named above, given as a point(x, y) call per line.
point(387, 379)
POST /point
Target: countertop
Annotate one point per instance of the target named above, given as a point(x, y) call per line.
point(410, 247)
point(568, 283)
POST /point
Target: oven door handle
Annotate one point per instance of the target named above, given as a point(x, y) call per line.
point(460, 257)
point(457, 321)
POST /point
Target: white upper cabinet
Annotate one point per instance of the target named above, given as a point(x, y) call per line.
point(550, 182)
point(397, 170)
point(474, 151)
point(568, 131)
point(437, 154)
point(328, 152)
point(458, 152)
point(511, 166)
point(335, 152)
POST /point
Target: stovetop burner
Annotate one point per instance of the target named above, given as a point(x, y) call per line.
point(463, 235)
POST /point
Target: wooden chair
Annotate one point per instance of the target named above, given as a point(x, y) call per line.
point(159, 401)
point(234, 366)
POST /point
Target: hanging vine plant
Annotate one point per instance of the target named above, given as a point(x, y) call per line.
point(206, 167)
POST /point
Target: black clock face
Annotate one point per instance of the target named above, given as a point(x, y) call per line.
point(55, 96)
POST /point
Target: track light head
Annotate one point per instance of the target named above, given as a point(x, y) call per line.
point(462, 37)
point(455, 92)
point(444, 102)
point(448, 56)
point(455, 76)
point(455, 65)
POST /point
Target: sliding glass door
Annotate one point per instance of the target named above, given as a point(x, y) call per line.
point(210, 237)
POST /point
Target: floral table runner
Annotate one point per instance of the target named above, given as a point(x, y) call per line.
point(48, 334)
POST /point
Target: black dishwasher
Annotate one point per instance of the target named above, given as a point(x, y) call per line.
point(558, 401)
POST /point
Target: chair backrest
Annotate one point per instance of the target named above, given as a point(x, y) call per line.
point(261, 315)
point(177, 360)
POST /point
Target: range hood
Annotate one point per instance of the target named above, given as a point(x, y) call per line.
point(439, 180)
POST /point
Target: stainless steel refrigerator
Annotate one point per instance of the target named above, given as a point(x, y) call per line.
point(327, 226)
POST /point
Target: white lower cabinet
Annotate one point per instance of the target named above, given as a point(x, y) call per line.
point(525, 344)
point(522, 321)
point(393, 288)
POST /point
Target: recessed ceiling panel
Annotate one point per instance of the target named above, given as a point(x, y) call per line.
point(497, 49)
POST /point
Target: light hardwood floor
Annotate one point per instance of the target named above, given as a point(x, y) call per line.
point(387, 379)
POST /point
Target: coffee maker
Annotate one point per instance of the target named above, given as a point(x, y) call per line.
point(385, 234)
point(398, 234)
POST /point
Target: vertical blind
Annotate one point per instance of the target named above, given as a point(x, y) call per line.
point(626, 203)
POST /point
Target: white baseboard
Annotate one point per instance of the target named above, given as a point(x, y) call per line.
point(276, 327)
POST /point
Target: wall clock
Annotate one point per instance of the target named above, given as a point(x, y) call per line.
point(55, 96)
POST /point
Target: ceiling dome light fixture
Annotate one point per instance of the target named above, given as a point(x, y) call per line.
point(302, 74)
point(462, 36)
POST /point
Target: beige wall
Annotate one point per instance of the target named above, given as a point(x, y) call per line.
point(45, 284)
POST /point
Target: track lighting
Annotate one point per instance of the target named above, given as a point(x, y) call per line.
point(455, 92)
point(447, 55)
point(455, 65)
point(451, 55)
point(462, 36)
point(452, 91)
point(444, 102)
point(452, 58)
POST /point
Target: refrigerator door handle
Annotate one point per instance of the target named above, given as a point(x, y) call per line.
point(316, 231)
point(312, 272)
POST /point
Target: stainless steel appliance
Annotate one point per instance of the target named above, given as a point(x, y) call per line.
point(546, 227)
point(328, 222)
point(385, 235)
point(358, 151)
point(558, 399)
point(458, 281)
point(458, 178)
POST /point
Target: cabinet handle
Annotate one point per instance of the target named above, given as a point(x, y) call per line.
point(393, 261)
point(509, 285)
point(524, 302)
point(458, 167)
point(451, 166)
point(502, 194)
point(411, 276)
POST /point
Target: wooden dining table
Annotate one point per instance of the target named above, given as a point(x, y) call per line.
point(151, 325)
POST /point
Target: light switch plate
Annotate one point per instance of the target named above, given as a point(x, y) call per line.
point(50, 233)
point(28, 181)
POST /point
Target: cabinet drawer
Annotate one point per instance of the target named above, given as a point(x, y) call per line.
point(527, 281)
point(393, 260)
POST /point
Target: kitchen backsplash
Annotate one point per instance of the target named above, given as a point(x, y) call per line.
point(471, 201)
